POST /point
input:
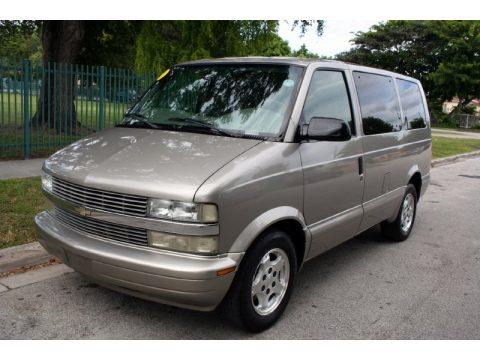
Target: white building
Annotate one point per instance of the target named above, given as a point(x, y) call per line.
point(448, 106)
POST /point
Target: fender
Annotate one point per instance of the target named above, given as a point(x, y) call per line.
point(264, 221)
point(414, 169)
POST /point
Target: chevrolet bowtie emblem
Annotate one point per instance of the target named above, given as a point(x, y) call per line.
point(84, 212)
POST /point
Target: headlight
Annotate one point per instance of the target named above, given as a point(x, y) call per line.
point(207, 245)
point(47, 182)
point(182, 211)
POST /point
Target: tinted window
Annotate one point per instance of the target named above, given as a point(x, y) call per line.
point(328, 98)
point(412, 104)
point(378, 103)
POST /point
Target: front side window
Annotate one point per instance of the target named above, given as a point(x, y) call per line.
point(378, 103)
point(241, 99)
point(328, 97)
point(412, 104)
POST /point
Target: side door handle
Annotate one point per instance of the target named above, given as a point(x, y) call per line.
point(360, 168)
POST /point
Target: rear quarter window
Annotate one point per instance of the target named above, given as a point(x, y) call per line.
point(412, 104)
point(378, 103)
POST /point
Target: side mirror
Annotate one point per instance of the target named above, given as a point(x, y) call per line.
point(326, 129)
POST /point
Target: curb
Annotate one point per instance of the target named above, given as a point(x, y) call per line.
point(22, 256)
point(454, 158)
point(32, 277)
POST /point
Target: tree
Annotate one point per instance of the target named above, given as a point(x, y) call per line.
point(304, 53)
point(156, 45)
point(458, 74)
point(20, 40)
point(106, 42)
point(408, 47)
point(110, 43)
point(161, 44)
point(62, 41)
point(276, 47)
point(443, 55)
point(305, 24)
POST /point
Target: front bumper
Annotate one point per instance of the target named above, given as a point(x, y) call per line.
point(181, 280)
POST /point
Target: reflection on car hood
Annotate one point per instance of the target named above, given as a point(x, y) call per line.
point(156, 163)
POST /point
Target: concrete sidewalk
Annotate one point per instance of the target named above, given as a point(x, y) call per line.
point(12, 169)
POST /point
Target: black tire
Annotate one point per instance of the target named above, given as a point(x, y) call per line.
point(394, 230)
point(239, 303)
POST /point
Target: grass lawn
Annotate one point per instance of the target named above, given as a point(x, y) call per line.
point(20, 200)
point(87, 110)
point(46, 141)
point(43, 142)
point(442, 147)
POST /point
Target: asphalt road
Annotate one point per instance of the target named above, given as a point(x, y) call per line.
point(425, 288)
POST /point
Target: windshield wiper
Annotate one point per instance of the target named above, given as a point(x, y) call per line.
point(204, 125)
point(141, 118)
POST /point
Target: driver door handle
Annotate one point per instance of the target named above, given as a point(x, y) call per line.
point(360, 168)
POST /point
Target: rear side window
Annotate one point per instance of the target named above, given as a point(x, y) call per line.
point(412, 104)
point(328, 97)
point(378, 103)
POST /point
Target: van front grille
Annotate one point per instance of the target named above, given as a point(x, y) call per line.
point(112, 231)
point(100, 199)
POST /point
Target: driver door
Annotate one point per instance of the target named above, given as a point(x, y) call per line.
point(333, 171)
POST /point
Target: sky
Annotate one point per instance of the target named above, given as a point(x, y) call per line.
point(335, 38)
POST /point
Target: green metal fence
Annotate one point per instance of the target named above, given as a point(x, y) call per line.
point(43, 109)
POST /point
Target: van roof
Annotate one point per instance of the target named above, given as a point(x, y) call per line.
point(259, 59)
point(293, 61)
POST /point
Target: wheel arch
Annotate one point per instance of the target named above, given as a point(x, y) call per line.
point(285, 218)
point(416, 180)
point(414, 177)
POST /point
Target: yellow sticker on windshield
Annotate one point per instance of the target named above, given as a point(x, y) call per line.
point(163, 74)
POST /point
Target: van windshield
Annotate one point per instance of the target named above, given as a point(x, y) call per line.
point(236, 99)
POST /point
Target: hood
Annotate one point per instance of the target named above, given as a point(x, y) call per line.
point(153, 163)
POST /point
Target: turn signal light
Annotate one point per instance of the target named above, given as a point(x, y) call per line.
point(226, 271)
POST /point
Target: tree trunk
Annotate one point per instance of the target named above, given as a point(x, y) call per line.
point(61, 42)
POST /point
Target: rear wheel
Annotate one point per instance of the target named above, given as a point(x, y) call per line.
point(401, 227)
point(264, 282)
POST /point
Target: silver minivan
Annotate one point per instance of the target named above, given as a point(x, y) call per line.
point(227, 175)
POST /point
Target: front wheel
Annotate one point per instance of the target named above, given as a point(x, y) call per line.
point(401, 227)
point(264, 282)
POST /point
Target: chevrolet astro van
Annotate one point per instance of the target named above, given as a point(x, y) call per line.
point(227, 175)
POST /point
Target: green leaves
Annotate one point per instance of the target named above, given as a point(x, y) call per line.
point(458, 73)
point(305, 24)
point(157, 45)
point(161, 44)
point(444, 55)
point(304, 53)
point(20, 40)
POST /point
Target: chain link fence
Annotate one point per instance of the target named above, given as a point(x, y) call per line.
point(467, 121)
